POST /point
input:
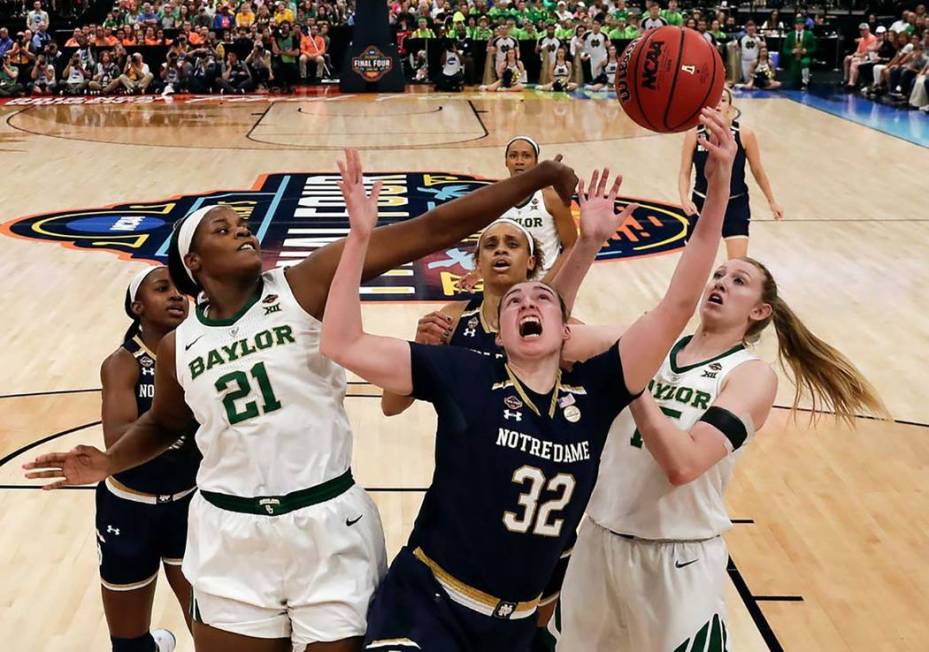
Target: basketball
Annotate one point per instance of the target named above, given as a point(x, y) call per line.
point(667, 76)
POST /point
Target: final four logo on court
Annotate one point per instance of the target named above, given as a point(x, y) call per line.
point(292, 215)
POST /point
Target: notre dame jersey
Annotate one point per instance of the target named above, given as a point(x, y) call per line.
point(737, 184)
point(269, 405)
point(473, 332)
point(513, 469)
point(540, 223)
point(173, 471)
point(633, 494)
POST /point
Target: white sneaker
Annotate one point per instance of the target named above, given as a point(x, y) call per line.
point(164, 640)
point(169, 90)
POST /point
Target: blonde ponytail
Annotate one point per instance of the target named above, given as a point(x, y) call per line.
point(818, 370)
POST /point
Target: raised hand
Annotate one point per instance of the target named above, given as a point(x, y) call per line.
point(565, 181)
point(80, 465)
point(599, 219)
point(469, 281)
point(362, 207)
point(720, 145)
point(434, 328)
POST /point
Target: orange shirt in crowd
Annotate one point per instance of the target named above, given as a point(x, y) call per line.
point(194, 39)
point(71, 43)
point(129, 41)
point(106, 41)
point(864, 43)
point(152, 41)
point(312, 45)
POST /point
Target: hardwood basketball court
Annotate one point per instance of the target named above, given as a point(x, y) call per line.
point(830, 535)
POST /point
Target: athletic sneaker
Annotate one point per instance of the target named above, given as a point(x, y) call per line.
point(164, 640)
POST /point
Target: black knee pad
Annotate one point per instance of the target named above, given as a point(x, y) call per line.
point(140, 644)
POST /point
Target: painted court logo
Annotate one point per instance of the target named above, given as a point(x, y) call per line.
point(293, 215)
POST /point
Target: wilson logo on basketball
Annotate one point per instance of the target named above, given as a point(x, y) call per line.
point(293, 215)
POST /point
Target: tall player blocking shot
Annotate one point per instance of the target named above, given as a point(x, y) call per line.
point(283, 550)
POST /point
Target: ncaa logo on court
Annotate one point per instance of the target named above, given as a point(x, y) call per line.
point(293, 215)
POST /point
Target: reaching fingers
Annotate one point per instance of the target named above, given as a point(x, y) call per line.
point(604, 179)
point(712, 148)
point(49, 460)
point(376, 191)
point(594, 182)
point(55, 485)
point(627, 211)
point(558, 158)
point(581, 197)
point(57, 473)
point(614, 190)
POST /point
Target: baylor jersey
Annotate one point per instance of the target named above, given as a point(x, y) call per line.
point(633, 494)
point(270, 407)
point(540, 223)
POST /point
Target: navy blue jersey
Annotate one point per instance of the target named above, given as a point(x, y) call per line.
point(737, 184)
point(513, 469)
point(173, 471)
point(473, 332)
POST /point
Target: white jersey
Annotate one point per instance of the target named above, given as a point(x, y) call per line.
point(633, 495)
point(750, 47)
point(534, 216)
point(268, 404)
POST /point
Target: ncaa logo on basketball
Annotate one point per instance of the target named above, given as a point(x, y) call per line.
point(293, 215)
point(650, 69)
point(372, 64)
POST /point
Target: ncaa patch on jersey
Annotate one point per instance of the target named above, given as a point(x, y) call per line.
point(293, 215)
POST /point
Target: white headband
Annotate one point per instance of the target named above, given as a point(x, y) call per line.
point(506, 220)
point(136, 281)
point(534, 144)
point(185, 235)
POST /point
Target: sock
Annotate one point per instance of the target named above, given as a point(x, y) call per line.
point(143, 643)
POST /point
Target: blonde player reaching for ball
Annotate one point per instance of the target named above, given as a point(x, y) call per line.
point(648, 571)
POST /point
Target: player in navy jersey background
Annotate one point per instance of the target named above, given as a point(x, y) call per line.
point(141, 519)
point(518, 442)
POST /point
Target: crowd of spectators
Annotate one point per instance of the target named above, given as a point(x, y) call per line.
point(892, 62)
point(215, 46)
point(175, 46)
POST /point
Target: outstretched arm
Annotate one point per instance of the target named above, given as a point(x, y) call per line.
point(599, 222)
point(383, 361)
point(644, 346)
point(684, 456)
point(753, 154)
point(147, 438)
point(443, 226)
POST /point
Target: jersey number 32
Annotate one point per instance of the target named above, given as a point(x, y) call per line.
point(542, 518)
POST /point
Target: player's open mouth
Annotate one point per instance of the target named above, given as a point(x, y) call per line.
point(715, 297)
point(502, 264)
point(175, 312)
point(530, 327)
point(248, 246)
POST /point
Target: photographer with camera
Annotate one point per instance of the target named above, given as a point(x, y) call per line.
point(106, 77)
point(9, 86)
point(74, 79)
point(43, 77)
point(259, 62)
point(136, 77)
point(236, 77)
point(174, 73)
point(205, 71)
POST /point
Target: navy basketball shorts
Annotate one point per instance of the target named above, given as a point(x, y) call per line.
point(134, 538)
point(738, 216)
point(411, 611)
